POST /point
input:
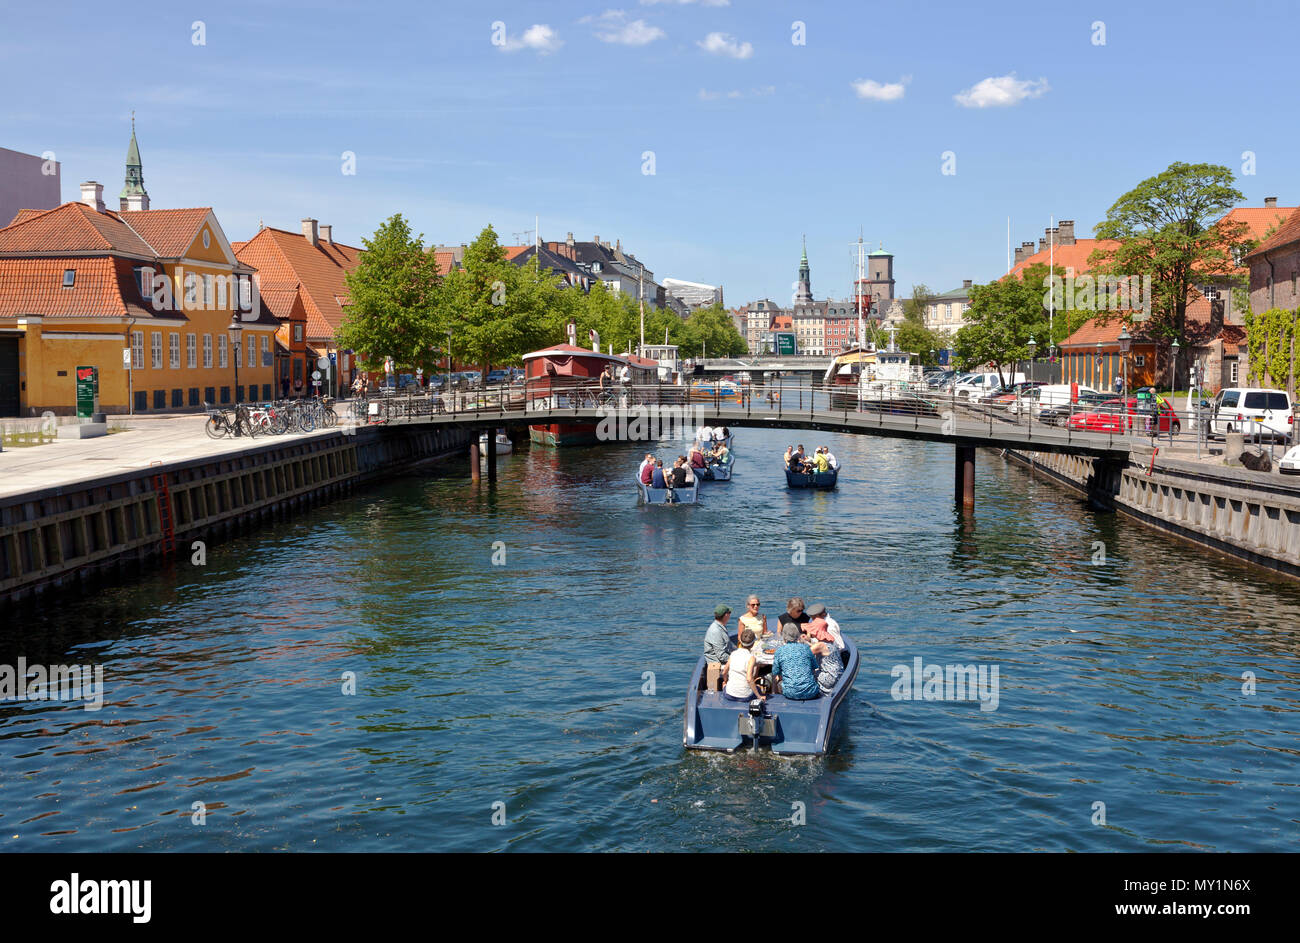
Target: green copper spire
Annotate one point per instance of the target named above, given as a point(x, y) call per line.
point(134, 172)
point(804, 290)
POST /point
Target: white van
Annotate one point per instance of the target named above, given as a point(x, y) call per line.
point(1047, 397)
point(1254, 411)
point(976, 385)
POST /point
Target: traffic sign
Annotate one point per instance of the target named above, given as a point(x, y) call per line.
point(126, 357)
point(315, 374)
point(323, 363)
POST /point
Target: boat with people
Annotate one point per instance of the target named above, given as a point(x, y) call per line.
point(677, 483)
point(710, 454)
point(822, 471)
point(764, 713)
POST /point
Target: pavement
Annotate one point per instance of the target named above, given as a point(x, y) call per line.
point(147, 440)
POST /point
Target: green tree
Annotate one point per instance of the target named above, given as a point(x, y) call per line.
point(394, 294)
point(914, 309)
point(920, 341)
point(1166, 228)
point(1003, 316)
point(498, 311)
point(711, 331)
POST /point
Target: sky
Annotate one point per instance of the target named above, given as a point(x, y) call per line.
point(709, 136)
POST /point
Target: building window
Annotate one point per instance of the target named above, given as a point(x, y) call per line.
point(223, 354)
point(252, 352)
point(174, 351)
point(190, 351)
point(1232, 373)
point(137, 349)
point(1139, 360)
point(207, 291)
point(246, 293)
point(155, 350)
point(207, 239)
point(207, 350)
point(266, 350)
point(297, 333)
point(69, 277)
point(191, 290)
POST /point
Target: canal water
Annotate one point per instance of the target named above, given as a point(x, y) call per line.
point(536, 703)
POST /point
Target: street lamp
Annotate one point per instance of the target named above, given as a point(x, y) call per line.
point(1125, 341)
point(1099, 364)
point(1031, 347)
point(448, 390)
point(234, 330)
point(1173, 365)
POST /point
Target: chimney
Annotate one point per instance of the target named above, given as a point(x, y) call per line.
point(326, 234)
point(596, 239)
point(1066, 229)
point(568, 240)
point(965, 284)
point(1028, 247)
point(309, 231)
point(1042, 243)
point(1270, 202)
point(1018, 256)
point(92, 194)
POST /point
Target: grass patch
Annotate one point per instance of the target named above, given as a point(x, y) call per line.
point(27, 433)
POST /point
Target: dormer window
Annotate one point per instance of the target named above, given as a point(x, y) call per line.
point(69, 277)
point(207, 240)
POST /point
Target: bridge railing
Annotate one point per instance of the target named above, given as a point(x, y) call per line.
point(1139, 417)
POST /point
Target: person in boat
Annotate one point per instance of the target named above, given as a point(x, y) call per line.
point(726, 434)
point(606, 379)
point(794, 667)
point(690, 474)
point(647, 469)
point(753, 620)
point(829, 666)
point(830, 458)
point(817, 627)
point(657, 479)
point(717, 645)
point(820, 462)
point(697, 456)
point(738, 672)
point(789, 456)
point(794, 614)
point(678, 474)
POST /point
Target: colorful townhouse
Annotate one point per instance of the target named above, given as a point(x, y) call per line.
point(155, 299)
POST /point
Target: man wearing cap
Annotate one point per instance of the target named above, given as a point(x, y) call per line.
point(817, 626)
point(717, 645)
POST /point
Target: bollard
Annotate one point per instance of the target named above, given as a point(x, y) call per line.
point(474, 473)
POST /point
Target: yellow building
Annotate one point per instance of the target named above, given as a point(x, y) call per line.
point(80, 285)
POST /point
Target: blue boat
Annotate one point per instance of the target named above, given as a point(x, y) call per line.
point(821, 480)
point(788, 727)
point(668, 495)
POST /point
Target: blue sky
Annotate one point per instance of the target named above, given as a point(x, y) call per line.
point(756, 140)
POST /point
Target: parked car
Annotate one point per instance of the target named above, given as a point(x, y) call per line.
point(1290, 463)
point(980, 383)
point(1256, 412)
point(939, 378)
point(1004, 396)
point(1121, 416)
point(496, 377)
point(1057, 415)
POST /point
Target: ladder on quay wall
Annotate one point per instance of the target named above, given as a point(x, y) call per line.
point(166, 522)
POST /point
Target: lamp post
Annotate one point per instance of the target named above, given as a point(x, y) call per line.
point(448, 390)
point(1099, 363)
point(235, 330)
point(1173, 365)
point(1125, 341)
point(1031, 347)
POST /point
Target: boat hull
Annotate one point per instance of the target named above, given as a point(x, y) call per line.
point(650, 495)
point(560, 435)
point(797, 728)
point(820, 480)
point(714, 472)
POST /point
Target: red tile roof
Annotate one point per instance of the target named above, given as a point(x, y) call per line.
point(170, 232)
point(1288, 233)
point(1067, 257)
point(284, 259)
point(104, 288)
point(1259, 219)
point(71, 227)
point(445, 261)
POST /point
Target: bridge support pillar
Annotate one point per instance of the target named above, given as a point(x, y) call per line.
point(492, 456)
point(964, 478)
point(474, 473)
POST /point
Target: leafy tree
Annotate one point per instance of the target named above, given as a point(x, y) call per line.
point(1005, 314)
point(920, 341)
point(1166, 229)
point(712, 331)
point(914, 309)
point(394, 294)
point(498, 311)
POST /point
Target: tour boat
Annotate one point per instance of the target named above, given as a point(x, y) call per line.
point(894, 385)
point(842, 375)
point(821, 480)
point(788, 727)
point(688, 495)
point(567, 376)
point(726, 391)
point(715, 470)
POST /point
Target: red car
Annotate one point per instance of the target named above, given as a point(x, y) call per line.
point(1140, 415)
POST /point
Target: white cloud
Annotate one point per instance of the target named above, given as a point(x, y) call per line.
point(876, 91)
point(1000, 92)
point(708, 96)
point(724, 44)
point(612, 26)
point(539, 36)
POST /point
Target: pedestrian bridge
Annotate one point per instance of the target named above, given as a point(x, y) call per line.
point(643, 413)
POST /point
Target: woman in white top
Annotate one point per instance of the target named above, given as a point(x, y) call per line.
point(738, 672)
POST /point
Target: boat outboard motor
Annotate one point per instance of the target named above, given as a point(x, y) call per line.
point(754, 724)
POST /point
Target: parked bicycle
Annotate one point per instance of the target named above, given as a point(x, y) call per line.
point(226, 422)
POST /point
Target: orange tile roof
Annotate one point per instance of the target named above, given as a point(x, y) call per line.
point(284, 303)
point(512, 251)
point(1288, 233)
point(71, 227)
point(1198, 328)
point(285, 258)
point(445, 261)
point(1259, 219)
point(104, 288)
point(170, 232)
point(1073, 256)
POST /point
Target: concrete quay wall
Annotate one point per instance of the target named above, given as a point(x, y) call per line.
point(1250, 515)
point(72, 534)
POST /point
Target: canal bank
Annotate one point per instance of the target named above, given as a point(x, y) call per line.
point(86, 527)
point(1253, 516)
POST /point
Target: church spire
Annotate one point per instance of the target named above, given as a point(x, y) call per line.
point(133, 195)
point(804, 292)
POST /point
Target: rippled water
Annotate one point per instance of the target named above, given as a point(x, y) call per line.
point(522, 684)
